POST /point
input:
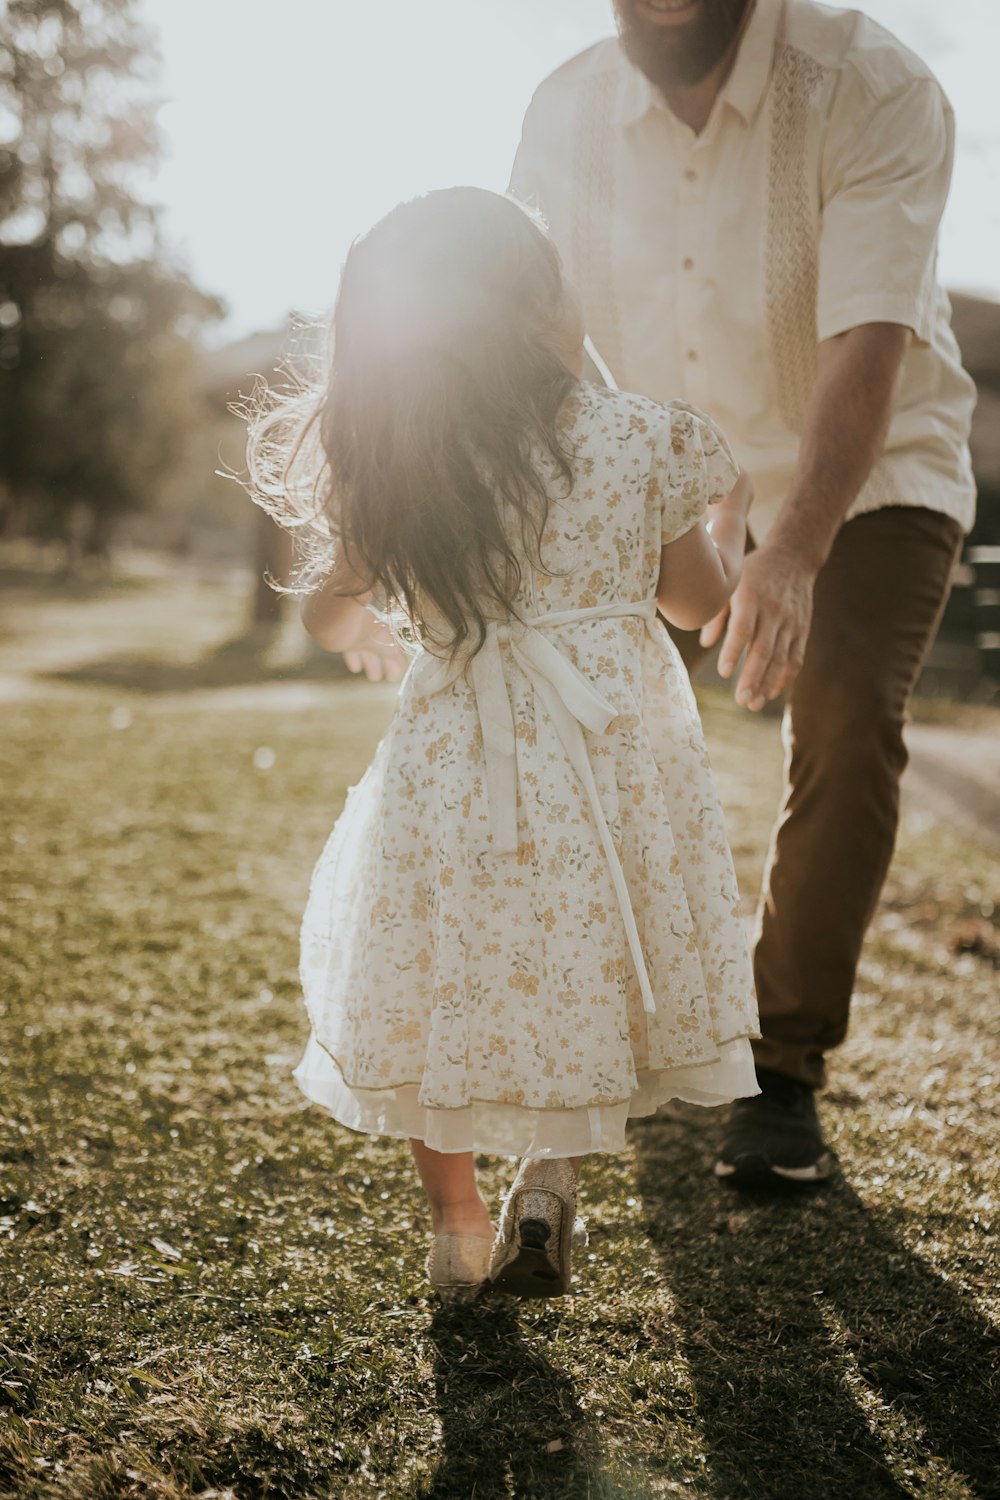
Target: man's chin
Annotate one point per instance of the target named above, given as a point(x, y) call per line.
point(677, 47)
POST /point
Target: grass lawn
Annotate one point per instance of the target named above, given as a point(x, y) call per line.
point(208, 1289)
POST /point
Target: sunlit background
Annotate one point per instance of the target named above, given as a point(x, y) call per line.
point(291, 128)
point(180, 181)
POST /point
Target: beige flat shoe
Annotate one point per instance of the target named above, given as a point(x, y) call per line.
point(532, 1254)
point(459, 1266)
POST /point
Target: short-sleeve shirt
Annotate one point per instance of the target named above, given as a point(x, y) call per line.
point(710, 266)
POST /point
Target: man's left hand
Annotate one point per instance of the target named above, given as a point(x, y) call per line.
point(769, 613)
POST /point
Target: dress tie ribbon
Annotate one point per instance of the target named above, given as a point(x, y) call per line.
point(573, 704)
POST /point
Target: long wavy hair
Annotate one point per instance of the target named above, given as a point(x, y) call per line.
point(425, 462)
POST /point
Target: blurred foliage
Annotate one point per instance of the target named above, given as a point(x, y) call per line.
point(98, 379)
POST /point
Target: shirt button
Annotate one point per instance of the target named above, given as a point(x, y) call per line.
point(687, 263)
point(692, 354)
point(690, 175)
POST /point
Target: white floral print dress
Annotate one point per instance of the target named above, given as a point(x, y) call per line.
point(525, 926)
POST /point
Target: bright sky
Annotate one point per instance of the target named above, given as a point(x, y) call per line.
point(292, 127)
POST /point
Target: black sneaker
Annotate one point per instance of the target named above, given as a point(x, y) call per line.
point(774, 1139)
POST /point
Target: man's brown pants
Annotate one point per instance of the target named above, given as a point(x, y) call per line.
point(877, 604)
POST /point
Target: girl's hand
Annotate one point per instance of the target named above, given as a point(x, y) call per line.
point(712, 632)
point(727, 520)
point(342, 623)
point(382, 659)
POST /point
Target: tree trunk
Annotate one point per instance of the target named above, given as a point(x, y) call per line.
point(273, 560)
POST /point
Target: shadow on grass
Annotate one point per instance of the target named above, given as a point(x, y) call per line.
point(816, 1340)
point(511, 1423)
point(241, 661)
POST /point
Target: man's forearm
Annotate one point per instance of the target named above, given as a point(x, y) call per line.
point(846, 423)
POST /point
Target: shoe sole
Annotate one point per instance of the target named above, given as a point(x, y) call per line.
point(757, 1171)
point(532, 1270)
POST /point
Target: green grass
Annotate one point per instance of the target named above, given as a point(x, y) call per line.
point(209, 1289)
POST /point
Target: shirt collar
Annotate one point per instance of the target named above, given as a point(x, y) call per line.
point(746, 85)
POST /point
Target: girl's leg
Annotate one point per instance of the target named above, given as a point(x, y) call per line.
point(449, 1179)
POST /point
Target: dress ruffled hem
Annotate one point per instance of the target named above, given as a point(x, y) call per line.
point(511, 1129)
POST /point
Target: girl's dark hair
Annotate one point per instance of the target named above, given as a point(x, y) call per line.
point(426, 461)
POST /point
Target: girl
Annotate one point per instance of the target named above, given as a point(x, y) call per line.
point(525, 927)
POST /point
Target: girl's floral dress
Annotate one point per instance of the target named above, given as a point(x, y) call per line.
point(525, 926)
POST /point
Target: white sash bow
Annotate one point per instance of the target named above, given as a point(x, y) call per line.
point(572, 703)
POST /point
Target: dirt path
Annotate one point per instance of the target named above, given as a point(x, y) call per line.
point(954, 775)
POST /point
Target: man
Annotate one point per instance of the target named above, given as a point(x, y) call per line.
point(747, 197)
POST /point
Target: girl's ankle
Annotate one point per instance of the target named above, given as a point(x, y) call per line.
point(462, 1218)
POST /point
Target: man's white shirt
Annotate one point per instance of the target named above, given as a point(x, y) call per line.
point(710, 266)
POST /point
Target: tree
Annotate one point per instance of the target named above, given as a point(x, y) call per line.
point(97, 327)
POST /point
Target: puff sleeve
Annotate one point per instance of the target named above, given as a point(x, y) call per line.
point(692, 468)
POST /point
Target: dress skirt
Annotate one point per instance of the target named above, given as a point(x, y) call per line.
point(490, 1001)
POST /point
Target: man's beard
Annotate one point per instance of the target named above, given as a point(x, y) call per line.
point(673, 57)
